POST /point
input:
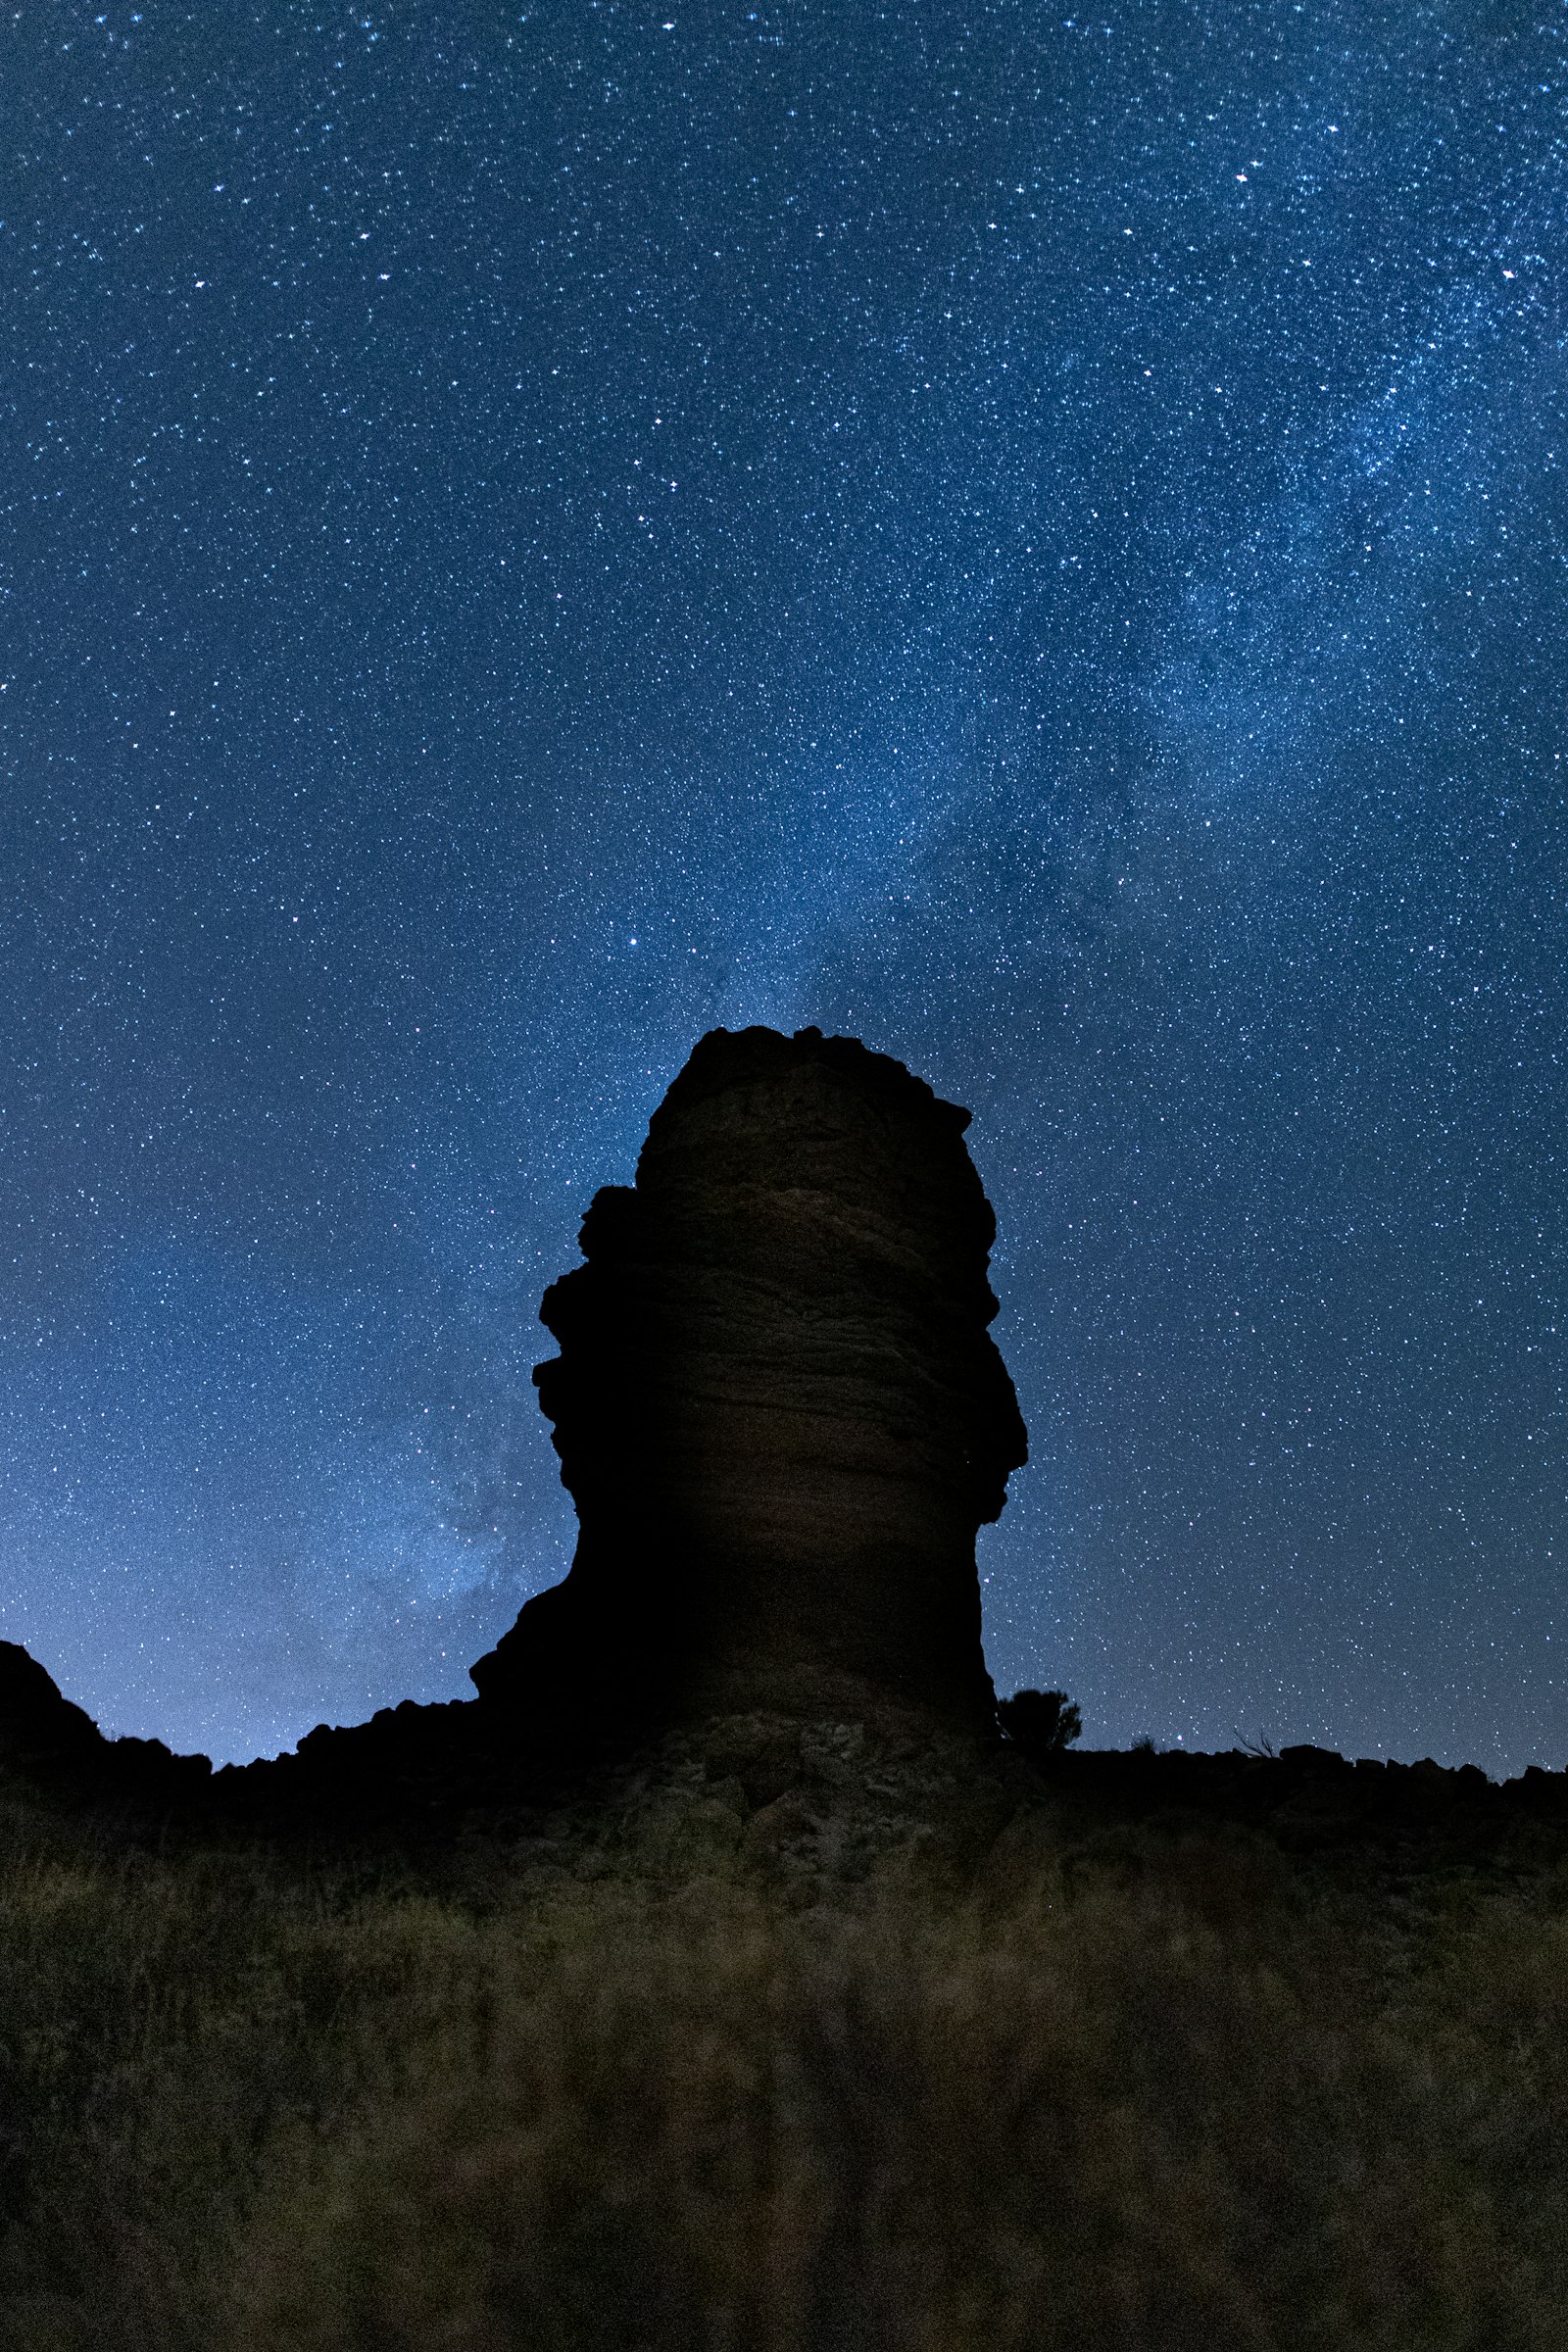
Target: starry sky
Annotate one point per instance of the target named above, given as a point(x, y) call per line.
point(1035, 539)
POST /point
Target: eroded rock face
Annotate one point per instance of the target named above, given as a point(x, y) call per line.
point(777, 1405)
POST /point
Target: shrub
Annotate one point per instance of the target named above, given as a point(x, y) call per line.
point(1033, 2128)
point(1152, 2087)
point(1040, 1721)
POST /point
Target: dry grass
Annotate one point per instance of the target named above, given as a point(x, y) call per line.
point(1164, 2097)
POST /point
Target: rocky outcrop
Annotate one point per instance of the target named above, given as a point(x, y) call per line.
point(777, 1405)
point(38, 1725)
point(48, 1738)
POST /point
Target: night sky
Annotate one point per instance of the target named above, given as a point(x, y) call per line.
point(1037, 540)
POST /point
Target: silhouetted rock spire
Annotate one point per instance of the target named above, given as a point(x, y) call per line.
point(777, 1405)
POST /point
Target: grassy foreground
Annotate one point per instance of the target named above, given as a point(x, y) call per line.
point(1152, 2088)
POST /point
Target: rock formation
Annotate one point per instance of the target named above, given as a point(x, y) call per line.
point(777, 1405)
point(46, 1737)
point(36, 1723)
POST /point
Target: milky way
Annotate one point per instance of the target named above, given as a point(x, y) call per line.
point(1034, 539)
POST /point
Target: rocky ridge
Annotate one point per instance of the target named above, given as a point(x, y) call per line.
point(782, 1420)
